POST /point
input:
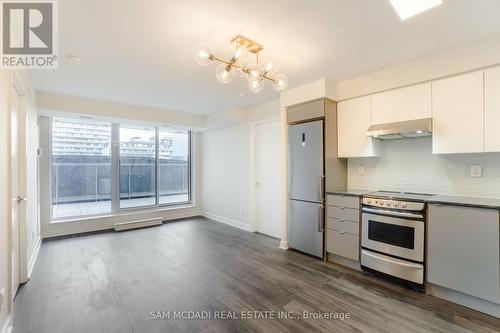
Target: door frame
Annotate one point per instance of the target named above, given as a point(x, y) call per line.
point(253, 194)
point(21, 173)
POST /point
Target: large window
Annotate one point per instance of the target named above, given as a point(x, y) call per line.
point(81, 168)
point(153, 167)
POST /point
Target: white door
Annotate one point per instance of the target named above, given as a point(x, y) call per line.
point(15, 105)
point(268, 157)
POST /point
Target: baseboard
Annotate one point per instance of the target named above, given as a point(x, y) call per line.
point(354, 264)
point(7, 327)
point(471, 302)
point(231, 222)
point(34, 256)
point(138, 224)
point(284, 245)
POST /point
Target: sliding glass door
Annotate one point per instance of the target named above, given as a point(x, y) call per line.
point(173, 167)
point(137, 166)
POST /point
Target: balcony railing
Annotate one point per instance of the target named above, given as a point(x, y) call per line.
point(78, 182)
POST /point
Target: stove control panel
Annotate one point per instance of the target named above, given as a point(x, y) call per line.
point(394, 204)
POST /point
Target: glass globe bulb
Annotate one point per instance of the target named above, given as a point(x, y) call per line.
point(204, 55)
point(225, 73)
point(271, 68)
point(239, 72)
point(256, 86)
point(254, 72)
point(280, 82)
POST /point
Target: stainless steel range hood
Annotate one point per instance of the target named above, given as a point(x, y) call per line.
point(401, 129)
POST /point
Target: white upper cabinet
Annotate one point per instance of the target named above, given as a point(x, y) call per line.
point(402, 104)
point(492, 110)
point(354, 118)
point(458, 114)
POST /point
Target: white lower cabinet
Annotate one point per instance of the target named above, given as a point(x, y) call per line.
point(464, 250)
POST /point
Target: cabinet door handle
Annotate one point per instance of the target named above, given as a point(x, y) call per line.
point(342, 232)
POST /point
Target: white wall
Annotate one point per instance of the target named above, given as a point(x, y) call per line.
point(409, 165)
point(226, 175)
point(63, 104)
point(226, 164)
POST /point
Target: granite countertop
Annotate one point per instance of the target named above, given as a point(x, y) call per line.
point(350, 192)
point(457, 200)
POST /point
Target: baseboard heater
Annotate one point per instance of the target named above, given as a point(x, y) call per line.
point(137, 224)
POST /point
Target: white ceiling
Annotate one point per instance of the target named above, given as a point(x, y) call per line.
point(142, 52)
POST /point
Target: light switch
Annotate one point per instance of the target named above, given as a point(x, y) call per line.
point(475, 171)
point(361, 170)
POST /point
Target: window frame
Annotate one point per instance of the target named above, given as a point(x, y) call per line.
point(115, 174)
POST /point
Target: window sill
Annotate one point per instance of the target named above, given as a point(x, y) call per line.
point(126, 212)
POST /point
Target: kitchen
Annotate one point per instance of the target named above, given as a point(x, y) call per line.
point(387, 206)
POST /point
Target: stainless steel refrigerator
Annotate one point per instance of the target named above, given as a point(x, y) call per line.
point(306, 176)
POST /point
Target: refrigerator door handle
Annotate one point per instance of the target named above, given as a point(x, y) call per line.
point(321, 219)
point(321, 188)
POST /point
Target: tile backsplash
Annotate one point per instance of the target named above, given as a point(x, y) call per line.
point(409, 165)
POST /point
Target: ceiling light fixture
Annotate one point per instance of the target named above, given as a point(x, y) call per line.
point(409, 8)
point(240, 66)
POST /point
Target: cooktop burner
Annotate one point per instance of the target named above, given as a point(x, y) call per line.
point(399, 195)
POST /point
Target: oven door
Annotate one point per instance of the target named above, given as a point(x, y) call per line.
point(400, 234)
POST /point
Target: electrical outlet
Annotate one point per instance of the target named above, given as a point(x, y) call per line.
point(2, 298)
point(475, 171)
point(361, 170)
point(244, 212)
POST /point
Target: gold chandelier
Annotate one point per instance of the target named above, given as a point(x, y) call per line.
point(239, 65)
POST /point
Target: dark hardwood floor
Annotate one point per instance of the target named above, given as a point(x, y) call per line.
point(113, 282)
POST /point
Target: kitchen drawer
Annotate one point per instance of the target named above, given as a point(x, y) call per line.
point(343, 201)
point(342, 244)
point(343, 225)
point(342, 213)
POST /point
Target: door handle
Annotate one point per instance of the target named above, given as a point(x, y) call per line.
point(20, 199)
point(321, 219)
point(409, 265)
point(322, 187)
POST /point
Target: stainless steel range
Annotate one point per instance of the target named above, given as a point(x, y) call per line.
point(393, 236)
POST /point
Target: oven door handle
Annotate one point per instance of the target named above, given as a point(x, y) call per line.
point(369, 254)
point(392, 213)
